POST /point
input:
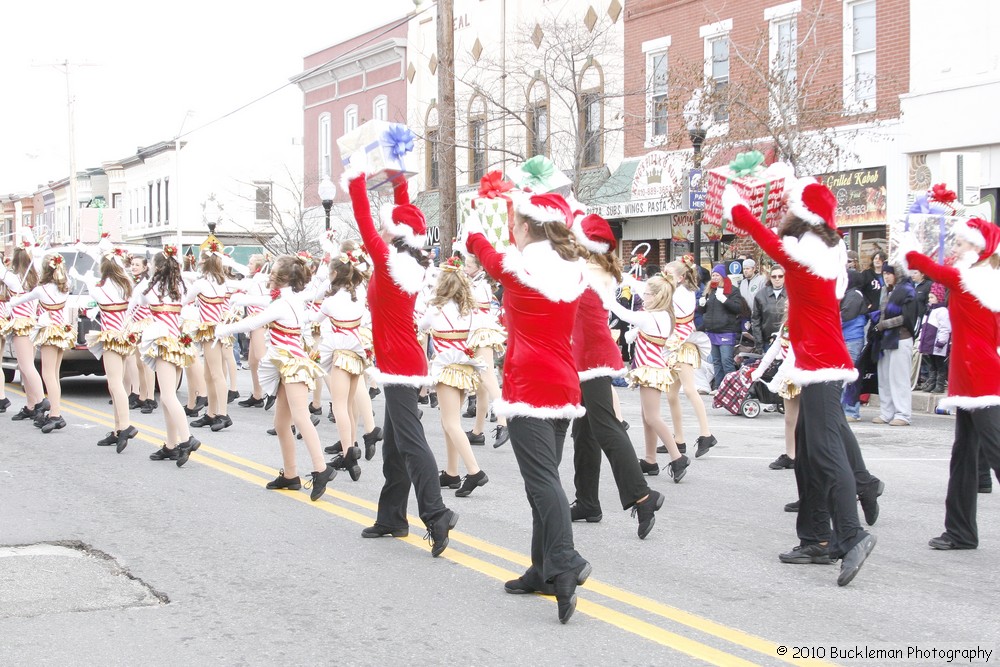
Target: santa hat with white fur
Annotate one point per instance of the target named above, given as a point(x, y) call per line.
point(813, 202)
point(544, 208)
point(980, 233)
point(407, 222)
point(594, 233)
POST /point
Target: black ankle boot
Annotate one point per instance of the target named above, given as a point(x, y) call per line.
point(371, 442)
point(470, 408)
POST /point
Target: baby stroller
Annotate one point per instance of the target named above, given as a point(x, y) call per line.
point(739, 394)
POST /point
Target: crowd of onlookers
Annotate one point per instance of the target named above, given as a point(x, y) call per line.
point(894, 322)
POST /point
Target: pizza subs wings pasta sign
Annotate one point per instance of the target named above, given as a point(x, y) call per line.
point(657, 188)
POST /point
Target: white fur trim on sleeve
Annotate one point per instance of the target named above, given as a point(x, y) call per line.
point(969, 402)
point(539, 267)
point(350, 174)
point(406, 272)
point(603, 371)
point(503, 408)
point(815, 256)
point(982, 283)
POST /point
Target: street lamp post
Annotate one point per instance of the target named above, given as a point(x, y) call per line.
point(212, 214)
point(327, 191)
point(698, 122)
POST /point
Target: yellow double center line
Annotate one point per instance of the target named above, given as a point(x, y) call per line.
point(220, 460)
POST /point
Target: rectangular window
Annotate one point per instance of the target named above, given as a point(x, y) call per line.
point(658, 94)
point(477, 149)
point(719, 77)
point(433, 155)
point(159, 200)
point(783, 96)
point(590, 127)
point(263, 200)
point(863, 49)
point(380, 109)
point(539, 140)
point(116, 200)
point(148, 213)
point(350, 119)
point(166, 200)
point(324, 146)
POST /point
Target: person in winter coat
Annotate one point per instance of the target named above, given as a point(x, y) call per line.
point(722, 307)
point(769, 304)
point(873, 280)
point(752, 283)
point(922, 288)
point(897, 320)
point(935, 340)
point(853, 318)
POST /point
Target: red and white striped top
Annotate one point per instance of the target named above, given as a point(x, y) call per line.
point(449, 329)
point(51, 300)
point(654, 330)
point(211, 298)
point(110, 299)
point(164, 309)
point(15, 284)
point(344, 315)
point(284, 318)
point(684, 303)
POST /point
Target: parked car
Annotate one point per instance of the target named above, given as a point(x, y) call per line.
point(77, 360)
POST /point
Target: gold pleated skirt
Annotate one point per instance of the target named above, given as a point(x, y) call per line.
point(55, 335)
point(169, 349)
point(119, 342)
point(348, 361)
point(687, 353)
point(494, 338)
point(19, 326)
point(460, 376)
point(295, 369)
point(651, 376)
point(789, 389)
point(204, 332)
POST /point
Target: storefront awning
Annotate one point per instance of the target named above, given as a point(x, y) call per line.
point(651, 185)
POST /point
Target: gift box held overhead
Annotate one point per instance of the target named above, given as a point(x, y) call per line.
point(540, 175)
point(384, 148)
point(492, 203)
point(931, 218)
point(760, 188)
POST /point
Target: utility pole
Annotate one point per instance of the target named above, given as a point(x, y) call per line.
point(73, 232)
point(448, 190)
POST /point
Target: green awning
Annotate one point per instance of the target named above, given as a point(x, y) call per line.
point(618, 188)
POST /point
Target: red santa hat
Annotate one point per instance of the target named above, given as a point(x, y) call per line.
point(594, 233)
point(543, 208)
point(406, 221)
point(980, 233)
point(813, 202)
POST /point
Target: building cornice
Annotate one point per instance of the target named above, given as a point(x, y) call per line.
point(353, 64)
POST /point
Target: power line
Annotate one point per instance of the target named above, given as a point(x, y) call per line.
point(388, 29)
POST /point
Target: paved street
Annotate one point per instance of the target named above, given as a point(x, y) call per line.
point(237, 575)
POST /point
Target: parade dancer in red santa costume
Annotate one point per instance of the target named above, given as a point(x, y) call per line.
point(974, 369)
point(814, 257)
point(399, 266)
point(542, 277)
point(598, 359)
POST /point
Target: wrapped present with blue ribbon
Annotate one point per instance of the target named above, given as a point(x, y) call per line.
point(931, 218)
point(386, 149)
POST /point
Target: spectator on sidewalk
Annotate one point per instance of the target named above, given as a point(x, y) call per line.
point(769, 304)
point(897, 320)
point(853, 318)
point(935, 340)
point(751, 284)
point(723, 307)
point(874, 280)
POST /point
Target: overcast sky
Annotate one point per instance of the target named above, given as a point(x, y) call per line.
point(143, 66)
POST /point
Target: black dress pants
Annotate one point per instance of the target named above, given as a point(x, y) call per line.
point(406, 458)
point(598, 430)
point(538, 445)
point(975, 431)
point(823, 472)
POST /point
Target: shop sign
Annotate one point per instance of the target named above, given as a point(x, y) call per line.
point(633, 209)
point(861, 196)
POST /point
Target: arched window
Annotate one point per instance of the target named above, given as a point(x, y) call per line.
point(380, 108)
point(433, 148)
point(323, 139)
point(590, 128)
point(538, 118)
point(478, 160)
point(350, 118)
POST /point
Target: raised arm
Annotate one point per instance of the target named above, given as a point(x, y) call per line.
point(9, 279)
point(357, 187)
point(737, 211)
point(27, 296)
point(248, 324)
point(946, 275)
point(635, 317)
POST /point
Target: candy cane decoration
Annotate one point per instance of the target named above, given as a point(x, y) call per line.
point(639, 260)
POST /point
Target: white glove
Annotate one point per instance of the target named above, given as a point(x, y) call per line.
point(731, 199)
point(472, 225)
point(702, 301)
point(223, 331)
point(239, 299)
point(757, 374)
point(907, 243)
point(720, 296)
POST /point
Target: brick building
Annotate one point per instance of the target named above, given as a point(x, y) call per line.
point(817, 84)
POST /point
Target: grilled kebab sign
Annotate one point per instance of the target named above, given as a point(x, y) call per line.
point(861, 196)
